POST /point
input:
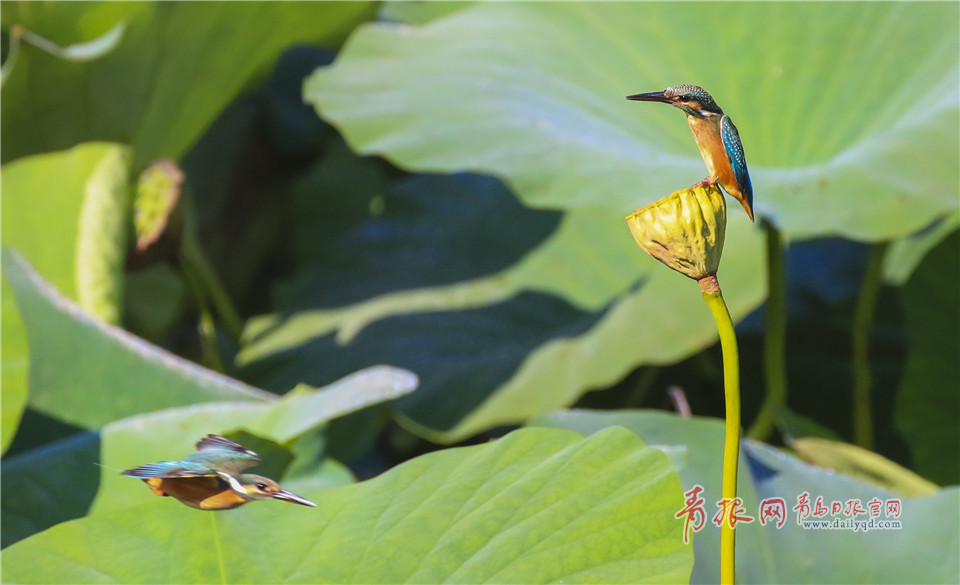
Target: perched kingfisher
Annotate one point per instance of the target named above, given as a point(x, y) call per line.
point(716, 136)
point(212, 478)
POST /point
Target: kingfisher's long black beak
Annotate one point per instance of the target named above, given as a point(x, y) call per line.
point(655, 96)
point(293, 498)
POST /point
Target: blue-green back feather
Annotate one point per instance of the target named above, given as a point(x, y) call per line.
point(170, 469)
point(231, 462)
point(731, 143)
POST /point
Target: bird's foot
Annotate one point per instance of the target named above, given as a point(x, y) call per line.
point(704, 183)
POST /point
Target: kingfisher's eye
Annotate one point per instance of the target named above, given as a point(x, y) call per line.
point(261, 486)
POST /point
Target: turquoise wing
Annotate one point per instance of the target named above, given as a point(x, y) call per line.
point(170, 469)
point(731, 143)
point(219, 454)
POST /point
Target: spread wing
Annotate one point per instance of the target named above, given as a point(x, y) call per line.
point(167, 469)
point(219, 454)
point(731, 143)
point(214, 454)
point(217, 442)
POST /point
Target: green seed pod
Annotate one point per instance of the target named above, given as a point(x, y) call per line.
point(684, 230)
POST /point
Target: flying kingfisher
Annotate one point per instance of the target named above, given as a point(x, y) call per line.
point(212, 478)
point(716, 136)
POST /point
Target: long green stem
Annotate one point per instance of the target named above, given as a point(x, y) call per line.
point(216, 542)
point(207, 327)
point(774, 338)
point(193, 256)
point(731, 442)
point(862, 324)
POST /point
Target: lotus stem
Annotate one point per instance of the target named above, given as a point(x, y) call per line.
point(194, 259)
point(774, 338)
point(710, 289)
point(862, 324)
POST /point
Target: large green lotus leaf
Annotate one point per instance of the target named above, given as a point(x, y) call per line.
point(33, 498)
point(924, 550)
point(88, 373)
point(848, 116)
point(44, 199)
point(537, 506)
point(509, 340)
point(928, 401)
point(177, 66)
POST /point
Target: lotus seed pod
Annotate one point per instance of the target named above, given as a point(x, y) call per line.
point(684, 230)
